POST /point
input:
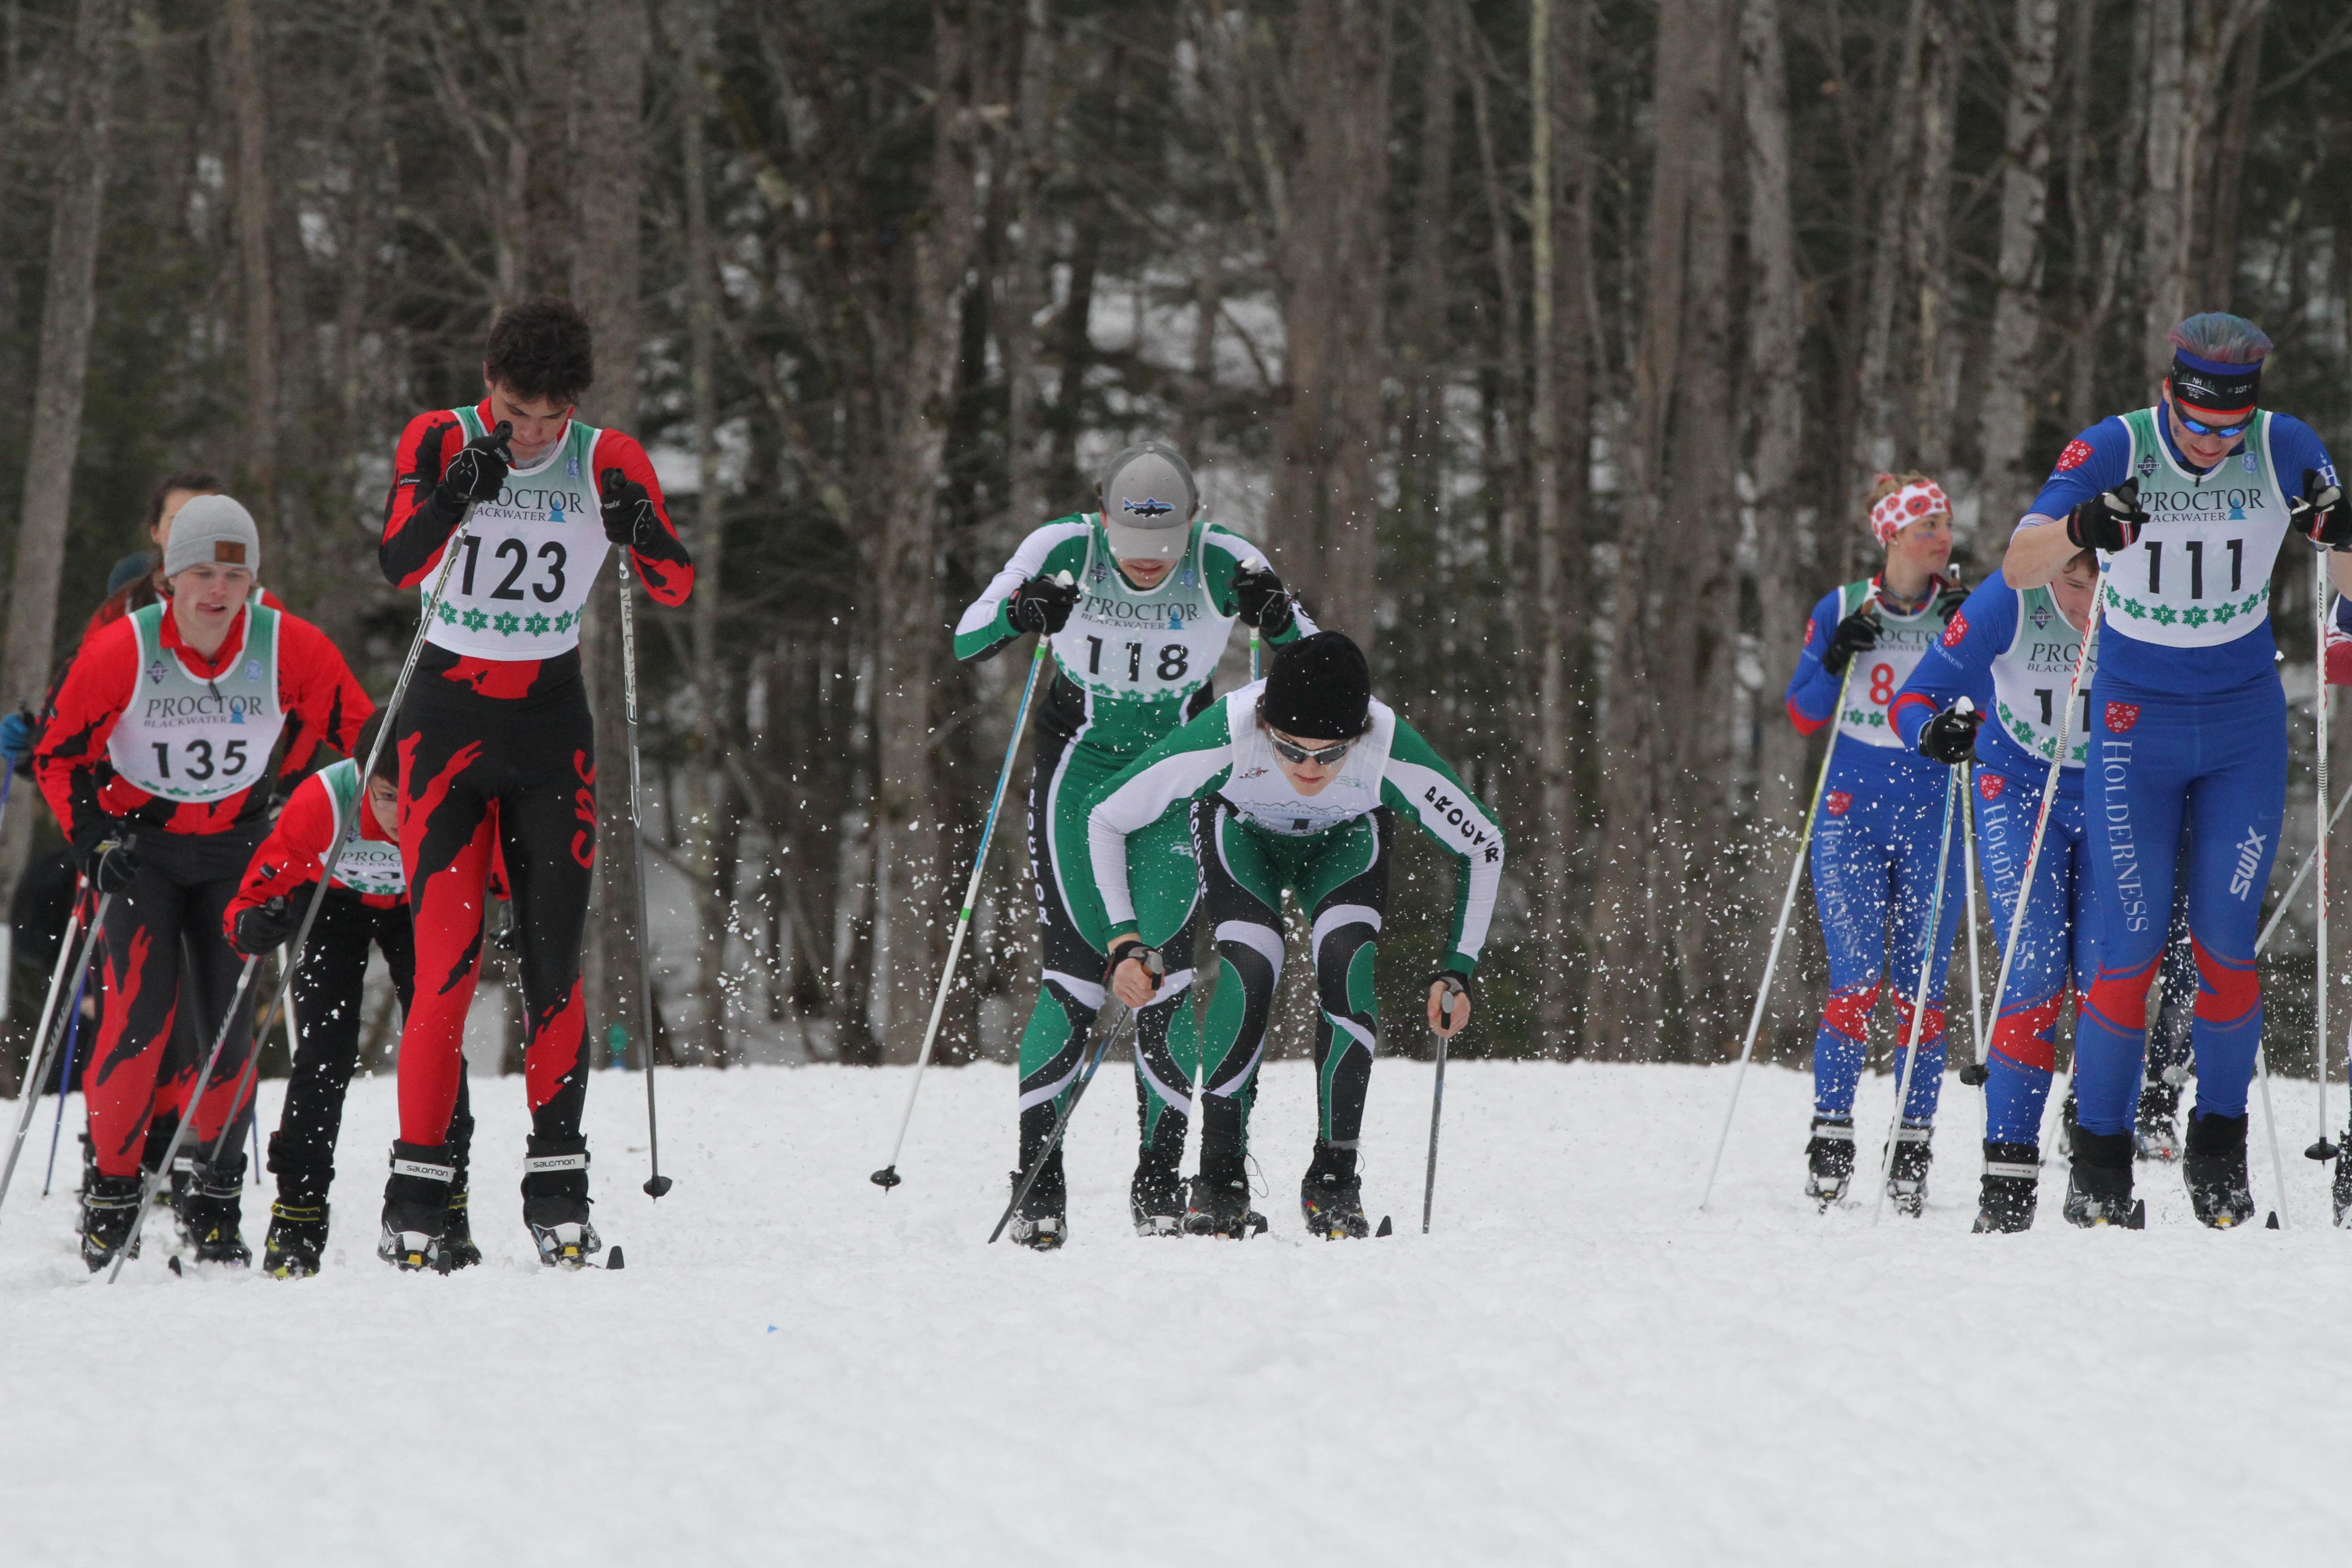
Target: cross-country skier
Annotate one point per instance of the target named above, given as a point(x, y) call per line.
point(1154, 591)
point(2013, 653)
point(1294, 783)
point(158, 762)
point(1881, 819)
point(496, 746)
point(366, 905)
point(2187, 502)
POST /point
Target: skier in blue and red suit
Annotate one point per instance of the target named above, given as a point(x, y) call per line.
point(2187, 502)
point(1879, 820)
point(2011, 653)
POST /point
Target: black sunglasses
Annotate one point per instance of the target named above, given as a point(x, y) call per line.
point(1323, 758)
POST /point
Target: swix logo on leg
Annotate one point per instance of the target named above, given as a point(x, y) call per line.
point(1839, 800)
point(2122, 715)
point(2249, 861)
point(1990, 785)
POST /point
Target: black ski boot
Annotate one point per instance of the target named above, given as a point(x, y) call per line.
point(1042, 1221)
point(1332, 1197)
point(457, 1230)
point(2013, 1183)
point(297, 1239)
point(1155, 1200)
point(2341, 1190)
point(1829, 1159)
point(2156, 1132)
point(2066, 1128)
point(2099, 1184)
point(416, 1207)
point(109, 1204)
point(1906, 1173)
point(1221, 1207)
point(212, 1210)
point(2215, 1170)
point(555, 1203)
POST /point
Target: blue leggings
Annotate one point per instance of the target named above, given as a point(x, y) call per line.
point(2053, 945)
point(1874, 861)
point(2215, 766)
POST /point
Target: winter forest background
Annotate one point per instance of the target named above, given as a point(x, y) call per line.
point(1548, 344)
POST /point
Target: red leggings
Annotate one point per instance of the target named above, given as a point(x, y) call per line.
point(519, 773)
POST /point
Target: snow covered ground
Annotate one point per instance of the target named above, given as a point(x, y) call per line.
point(1576, 1368)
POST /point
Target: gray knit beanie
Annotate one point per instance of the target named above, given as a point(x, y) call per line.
point(214, 528)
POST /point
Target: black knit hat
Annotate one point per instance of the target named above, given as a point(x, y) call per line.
point(1319, 690)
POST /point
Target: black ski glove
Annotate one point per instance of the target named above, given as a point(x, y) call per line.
point(2109, 520)
point(628, 511)
point(1858, 633)
point(1129, 947)
point(1041, 605)
point(1263, 601)
point(2321, 513)
point(1950, 737)
point(112, 863)
point(1948, 602)
point(265, 926)
point(479, 471)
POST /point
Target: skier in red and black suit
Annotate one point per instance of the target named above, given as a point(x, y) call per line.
point(158, 762)
point(496, 744)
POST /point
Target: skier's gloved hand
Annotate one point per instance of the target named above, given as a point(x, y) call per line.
point(1135, 971)
point(479, 471)
point(1950, 737)
point(1041, 605)
point(19, 733)
point(1948, 602)
point(265, 926)
point(113, 862)
point(2109, 520)
point(628, 511)
point(1858, 633)
point(1263, 601)
point(1449, 1001)
point(2320, 514)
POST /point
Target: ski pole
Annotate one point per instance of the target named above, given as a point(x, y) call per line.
point(36, 1068)
point(1437, 1107)
point(1977, 1072)
point(887, 1176)
point(2321, 1150)
point(1968, 872)
point(656, 1182)
point(1061, 1123)
point(1781, 928)
point(1918, 998)
point(65, 1080)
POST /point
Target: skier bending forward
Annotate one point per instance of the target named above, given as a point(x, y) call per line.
point(1136, 633)
point(1293, 783)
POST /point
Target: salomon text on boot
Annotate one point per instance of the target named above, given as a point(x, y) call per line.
point(1829, 1159)
point(2215, 1170)
point(415, 1207)
point(109, 1204)
point(2099, 1182)
point(1906, 1172)
point(212, 1210)
point(2012, 1182)
point(555, 1201)
point(1332, 1197)
point(1155, 1200)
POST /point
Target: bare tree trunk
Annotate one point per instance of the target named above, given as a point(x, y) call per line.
point(68, 308)
point(2217, 265)
point(604, 266)
point(1935, 391)
point(908, 881)
point(2005, 421)
point(257, 481)
point(1423, 344)
point(2194, 41)
point(1025, 278)
point(1874, 443)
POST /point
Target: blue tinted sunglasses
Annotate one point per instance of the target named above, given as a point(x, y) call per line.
point(2199, 429)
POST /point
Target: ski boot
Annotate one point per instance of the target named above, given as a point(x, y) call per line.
point(1155, 1200)
point(1331, 1196)
point(2099, 1183)
point(297, 1237)
point(1829, 1159)
point(415, 1207)
point(1042, 1221)
point(458, 1246)
point(1221, 1207)
point(554, 1204)
point(2341, 1190)
point(1906, 1173)
point(212, 1210)
point(2012, 1181)
point(2215, 1170)
point(2066, 1128)
point(2156, 1131)
point(109, 1204)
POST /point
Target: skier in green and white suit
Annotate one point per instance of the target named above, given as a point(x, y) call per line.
point(1136, 632)
point(1294, 783)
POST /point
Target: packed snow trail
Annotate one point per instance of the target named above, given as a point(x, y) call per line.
point(1575, 1367)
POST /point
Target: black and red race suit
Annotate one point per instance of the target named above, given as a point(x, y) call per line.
point(151, 739)
point(496, 743)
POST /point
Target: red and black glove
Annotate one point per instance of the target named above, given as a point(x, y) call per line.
point(2321, 513)
point(2109, 520)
